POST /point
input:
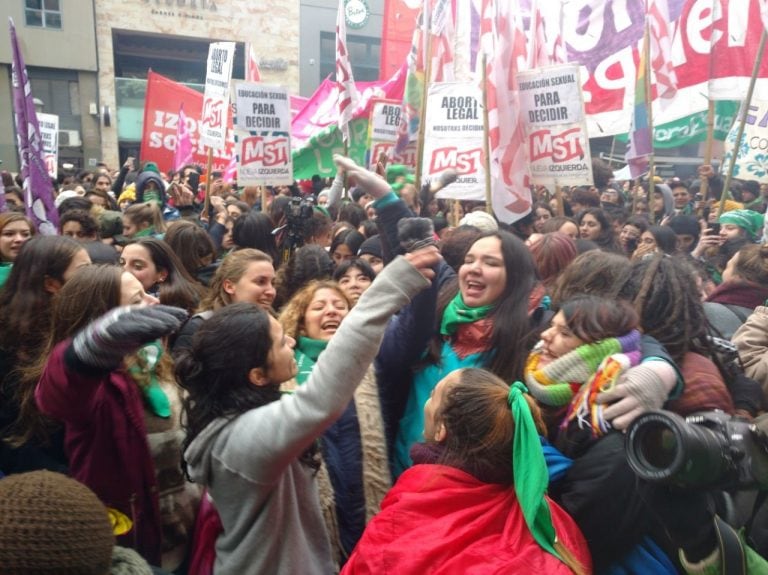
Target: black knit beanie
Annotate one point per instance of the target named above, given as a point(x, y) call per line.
point(51, 524)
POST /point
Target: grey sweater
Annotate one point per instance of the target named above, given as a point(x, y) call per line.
point(268, 500)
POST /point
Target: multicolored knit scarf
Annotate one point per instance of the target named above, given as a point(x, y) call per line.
point(598, 365)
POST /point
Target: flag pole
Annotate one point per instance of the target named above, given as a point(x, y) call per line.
point(486, 143)
point(707, 153)
point(649, 100)
point(208, 181)
point(423, 115)
point(742, 121)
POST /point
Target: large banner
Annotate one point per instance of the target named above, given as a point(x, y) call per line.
point(263, 121)
point(49, 132)
point(399, 21)
point(752, 158)
point(454, 139)
point(315, 136)
point(213, 131)
point(605, 36)
point(557, 146)
point(161, 116)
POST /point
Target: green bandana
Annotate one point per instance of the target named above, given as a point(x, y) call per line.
point(306, 354)
point(457, 313)
point(530, 471)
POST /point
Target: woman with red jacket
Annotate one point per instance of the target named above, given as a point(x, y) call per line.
point(475, 500)
point(101, 377)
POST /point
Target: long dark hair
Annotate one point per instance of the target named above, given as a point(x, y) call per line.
point(24, 300)
point(254, 230)
point(511, 336)
point(179, 288)
point(607, 238)
point(214, 372)
point(664, 293)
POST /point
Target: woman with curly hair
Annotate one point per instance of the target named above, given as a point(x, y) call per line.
point(309, 262)
point(252, 446)
point(595, 226)
point(356, 474)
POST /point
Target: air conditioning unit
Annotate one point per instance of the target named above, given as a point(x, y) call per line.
point(69, 139)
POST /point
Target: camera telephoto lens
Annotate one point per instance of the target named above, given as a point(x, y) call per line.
point(662, 447)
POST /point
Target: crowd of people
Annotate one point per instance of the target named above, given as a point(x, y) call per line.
point(354, 376)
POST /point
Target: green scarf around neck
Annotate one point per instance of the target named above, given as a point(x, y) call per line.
point(306, 353)
point(457, 313)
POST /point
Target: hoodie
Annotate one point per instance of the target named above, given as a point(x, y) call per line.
point(141, 183)
point(267, 499)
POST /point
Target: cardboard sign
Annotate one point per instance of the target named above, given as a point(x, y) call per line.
point(752, 159)
point(557, 145)
point(454, 139)
point(264, 159)
point(49, 132)
point(213, 128)
point(260, 108)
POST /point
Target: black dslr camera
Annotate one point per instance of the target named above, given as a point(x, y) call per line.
point(707, 450)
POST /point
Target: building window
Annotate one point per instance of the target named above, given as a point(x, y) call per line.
point(363, 54)
point(43, 13)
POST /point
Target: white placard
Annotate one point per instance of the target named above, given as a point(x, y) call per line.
point(454, 139)
point(49, 132)
point(262, 108)
point(213, 125)
point(551, 96)
point(264, 160)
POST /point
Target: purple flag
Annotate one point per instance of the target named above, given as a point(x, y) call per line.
point(38, 191)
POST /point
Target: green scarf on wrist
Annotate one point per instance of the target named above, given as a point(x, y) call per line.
point(457, 313)
point(306, 353)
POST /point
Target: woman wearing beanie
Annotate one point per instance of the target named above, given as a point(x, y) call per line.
point(475, 502)
point(253, 447)
point(105, 376)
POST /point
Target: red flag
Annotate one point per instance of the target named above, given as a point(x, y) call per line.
point(348, 94)
point(182, 155)
point(661, 48)
point(503, 43)
point(253, 74)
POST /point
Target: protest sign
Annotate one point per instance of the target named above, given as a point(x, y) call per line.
point(213, 129)
point(752, 158)
point(261, 108)
point(382, 130)
point(161, 116)
point(49, 132)
point(557, 145)
point(264, 159)
point(454, 139)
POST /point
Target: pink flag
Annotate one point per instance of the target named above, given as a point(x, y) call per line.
point(443, 30)
point(253, 74)
point(230, 173)
point(348, 94)
point(503, 42)
point(182, 155)
point(541, 53)
point(661, 48)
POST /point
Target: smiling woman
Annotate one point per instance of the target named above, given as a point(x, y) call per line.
point(481, 320)
point(359, 478)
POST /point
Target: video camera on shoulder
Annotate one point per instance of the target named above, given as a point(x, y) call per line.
point(707, 450)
